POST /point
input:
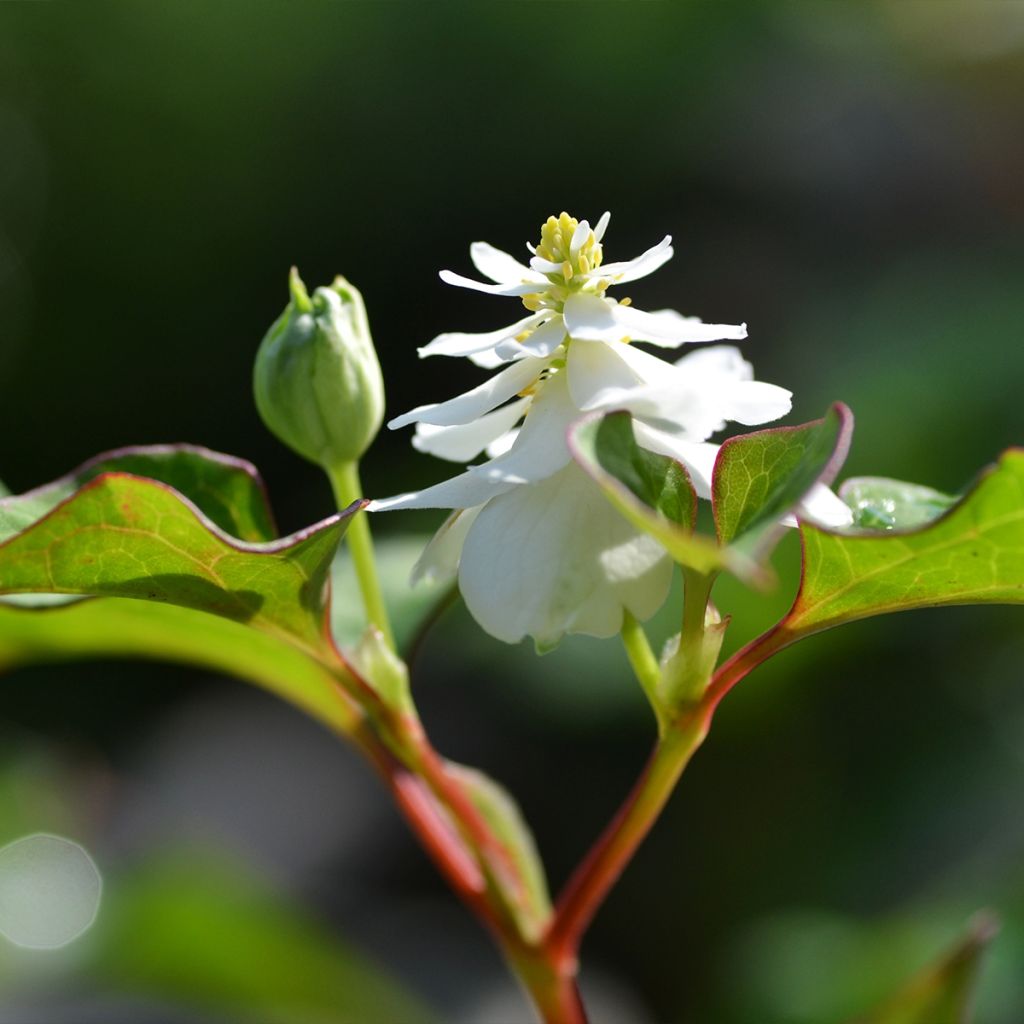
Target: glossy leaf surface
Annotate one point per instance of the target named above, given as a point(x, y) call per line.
point(972, 554)
point(761, 477)
point(126, 536)
point(228, 490)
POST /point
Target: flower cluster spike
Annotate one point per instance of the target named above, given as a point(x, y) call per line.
point(537, 549)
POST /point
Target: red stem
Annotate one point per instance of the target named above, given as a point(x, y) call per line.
point(591, 882)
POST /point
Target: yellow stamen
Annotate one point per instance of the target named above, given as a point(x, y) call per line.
point(567, 271)
point(626, 302)
point(584, 264)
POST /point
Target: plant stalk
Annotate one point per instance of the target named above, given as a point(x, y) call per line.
point(607, 859)
point(645, 666)
point(347, 489)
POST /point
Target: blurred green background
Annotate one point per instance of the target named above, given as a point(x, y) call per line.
point(847, 178)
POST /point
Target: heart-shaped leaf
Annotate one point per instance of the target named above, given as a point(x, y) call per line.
point(761, 477)
point(652, 491)
point(122, 535)
point(971, 554)
point(228, 490)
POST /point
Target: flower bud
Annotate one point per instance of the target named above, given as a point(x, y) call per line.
point(317, 380)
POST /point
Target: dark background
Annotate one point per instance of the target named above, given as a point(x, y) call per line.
point(847, 179)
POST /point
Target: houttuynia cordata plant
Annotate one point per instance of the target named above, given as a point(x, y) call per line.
point(589, 477)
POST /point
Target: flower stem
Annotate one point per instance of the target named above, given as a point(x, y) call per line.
point(689, 671)
point(347, 489)
point(645, 666)
point(605, 862)
point(551, 986)
point(683, 721)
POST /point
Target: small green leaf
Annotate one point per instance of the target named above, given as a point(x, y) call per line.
point(882, 504)
point(761, 477)
point(125, 536)
point(972, 554)
point(229, 491)
point(652, 491)
point(113, 627)
point(500, 812)
point(942, 993)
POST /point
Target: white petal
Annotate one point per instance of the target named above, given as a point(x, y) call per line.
point(579, 236)
point(542, 342)
point(825, 508)
point(468, 406)
point(531, 284)
point(540, 447)
point(497, 265)
point(596, 369)
point(698, 457)
point(669, 329)
point(648, 368)
point(644, 264)
point(602, 225)
point(555, 557)
point(591, 317)
point(460, 344)
point(752, 402)
point(466, 441)
point(463, 491)
point(440, 558)
point(488, 359)
point(502, 444)
point(543, 266)
point(716, 362)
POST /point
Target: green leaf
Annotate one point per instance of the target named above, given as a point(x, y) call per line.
point(228, 490)
point(114, 627)
point(502, 814)
point(205, 933)
point(942, 993)
point(882, 504)
point(125, 536)
point(652, 491)
point(761, 477)
point(409, 606)
point(972, 554)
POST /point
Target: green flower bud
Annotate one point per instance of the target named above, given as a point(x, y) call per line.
point(317, 380)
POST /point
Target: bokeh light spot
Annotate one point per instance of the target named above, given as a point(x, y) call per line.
point(49, 891)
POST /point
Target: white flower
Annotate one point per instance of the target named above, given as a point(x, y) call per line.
point(538, 549)
point(564, 288)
